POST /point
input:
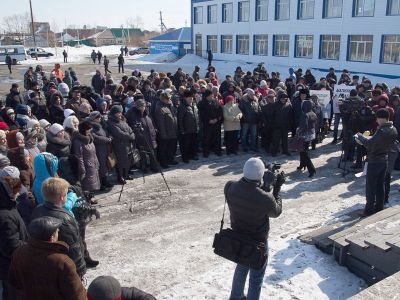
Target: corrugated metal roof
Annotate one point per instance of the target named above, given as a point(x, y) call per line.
point(183, 34)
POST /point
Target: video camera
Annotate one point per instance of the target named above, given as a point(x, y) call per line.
point(272, 177)
point(84, 211)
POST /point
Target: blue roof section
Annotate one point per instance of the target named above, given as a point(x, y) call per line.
point(183, 34)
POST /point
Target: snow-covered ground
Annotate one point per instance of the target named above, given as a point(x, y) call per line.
point(164, 246)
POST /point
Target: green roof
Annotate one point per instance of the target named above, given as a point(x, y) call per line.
point(117, 32)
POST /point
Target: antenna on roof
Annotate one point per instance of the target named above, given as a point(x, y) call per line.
point(162, 25)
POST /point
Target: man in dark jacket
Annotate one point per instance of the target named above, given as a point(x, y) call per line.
point(377, 154)
point(251, 204)
point(188, 124)
point(42, 268)
point(12, 230)
point(108, 288)
point(251, 116)
point(98, 82)
point(8, 62)
point(14, 97)
point(93, 56)
point(167, 125)
point(54, 191)
point(282, 122)
point(267, 116)
point(99, 56)
point(65, 55)
point(121, 62)
point(209, 57)
point(210, 113)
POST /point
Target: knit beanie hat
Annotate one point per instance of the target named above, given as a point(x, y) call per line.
point(55, 128)
point(4, 126)
point(263, 83)
point(104, 288)
point(44, 123)
point(32, 123)
point(63, 89)
point(4, 161)
point(229, 98)
point(116, 109)
point(29, 134)
point(68, 112)
point(71, 122)
point(254, 169)
point(85, 108)
point(10, 171)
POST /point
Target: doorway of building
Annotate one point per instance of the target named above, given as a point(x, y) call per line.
point(199, 45)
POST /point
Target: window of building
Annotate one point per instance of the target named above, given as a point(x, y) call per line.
point(306, 9)
point(393, 8)
point(261, 44)
point(198, 15)
point(333, 8)
point(364, 8)
point(244, 11)
point(226, 43)
point(330, 47)
point(212, 43)
point(227, 12)
point(242, 44)
point(304, 46)
point(360, 48)
point(281, 45)
point(261, 10)
point(282, 10)
point(212, 14)
point(391, 49)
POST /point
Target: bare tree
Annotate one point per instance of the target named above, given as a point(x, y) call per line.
point(17, 24)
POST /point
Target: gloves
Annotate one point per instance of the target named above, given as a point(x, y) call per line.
point(268, 179)
point(280, 179)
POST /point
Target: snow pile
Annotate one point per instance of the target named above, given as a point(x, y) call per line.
point(159, 58)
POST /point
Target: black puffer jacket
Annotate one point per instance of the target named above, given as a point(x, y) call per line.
point(13, 232)
point(283, 115)
point(251, 110)
point(209, 110)
point(188, 118)
point(68, 232)
point(58, 147)
point(381, 143)
point(250, 208)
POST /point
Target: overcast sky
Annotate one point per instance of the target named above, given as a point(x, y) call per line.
point(110, 13)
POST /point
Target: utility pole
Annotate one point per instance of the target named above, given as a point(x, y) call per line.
point(33, 29)
point(162, 25)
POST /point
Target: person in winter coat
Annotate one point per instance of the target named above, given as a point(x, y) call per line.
point(65, 55)
point(99, 56)
point(31, 142)
point(188, 126)
point(70, 124)
point(14, 97)
point(267, 117)
point(8, 116)
point(251, 110)
point(98, 82)
point(93, 56)
point(8, 61)
point(232, 116)
point(145, 134)
point(108, 288)
point(41, 134)
point(24, 115)
point(68, 79)
point(310, 79)
point(76, 100)
point(54, 192)
point(106, 63)
point(102, 142)
point(84, 149)
point(281, 123)
point(210, 113)
point(167, 125)
point(56, 109)
point(45, 259)
point(251, 204)
point(38, 76)
point(58, 72)
point(12, 230)
point(319, 127)
point(58, 142)
point(121, 62)
point(123, 138)
point(306, 131)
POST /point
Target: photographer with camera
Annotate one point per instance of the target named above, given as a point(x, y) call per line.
point(251, 203)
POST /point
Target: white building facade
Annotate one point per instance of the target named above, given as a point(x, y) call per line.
point(362, 36)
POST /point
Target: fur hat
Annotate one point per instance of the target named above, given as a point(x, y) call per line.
point(44, 123)
point(29, 134)
point(263, 83)
point(10, 171)
point(68, 112)
point(254, 169)
point(104, 288)
point(93, 115)
point(55, 128)
point(32, 123)
point(71, 122)
point(140, 103)
point(63, 89)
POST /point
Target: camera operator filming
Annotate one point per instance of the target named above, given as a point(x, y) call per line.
point(252, 201)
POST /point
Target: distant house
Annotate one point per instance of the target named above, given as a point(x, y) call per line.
point(103, 38)
point(127, 36)
point(41, 41)
point(177, 41)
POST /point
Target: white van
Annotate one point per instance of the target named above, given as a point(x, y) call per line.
point(17, 53)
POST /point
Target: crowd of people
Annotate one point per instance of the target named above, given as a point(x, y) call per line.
point(60, 142)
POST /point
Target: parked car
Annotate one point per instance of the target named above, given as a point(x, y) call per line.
point(140, 50)
point(39, 52)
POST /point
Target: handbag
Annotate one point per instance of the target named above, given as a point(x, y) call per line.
point(111, 160)
point(238, 247)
